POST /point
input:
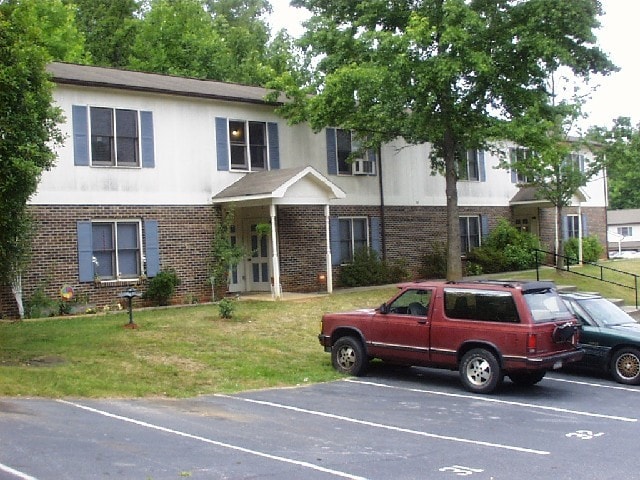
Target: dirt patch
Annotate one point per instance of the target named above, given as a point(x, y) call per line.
point(45, 361)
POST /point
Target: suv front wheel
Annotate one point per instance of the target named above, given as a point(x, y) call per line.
point(347, 356)
point(480, 371)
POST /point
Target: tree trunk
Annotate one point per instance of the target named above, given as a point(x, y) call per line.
point(560, 243)
point(454, 262)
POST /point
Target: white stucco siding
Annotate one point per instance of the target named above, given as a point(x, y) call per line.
point(185, 171)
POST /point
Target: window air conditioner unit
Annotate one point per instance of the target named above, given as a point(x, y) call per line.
point(362, 167)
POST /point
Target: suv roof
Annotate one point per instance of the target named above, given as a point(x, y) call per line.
point(524, 285)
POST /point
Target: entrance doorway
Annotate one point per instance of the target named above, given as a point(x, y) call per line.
point(253, 273)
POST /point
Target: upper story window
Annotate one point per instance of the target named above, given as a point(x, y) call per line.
point(114, 137)
point(625, 231)
point(576, 161)
point(519, 154)
point(470, 166)
point(340, 146)
point(246, 146)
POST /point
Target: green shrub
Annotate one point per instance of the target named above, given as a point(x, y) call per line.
point(592, 250)
point(39, 305)
point(162, 287)
point(506, 248)
point(433, 264)
point(368, 269)
point(226, 308)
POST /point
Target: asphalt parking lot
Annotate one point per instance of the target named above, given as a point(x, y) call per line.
point(392, 424)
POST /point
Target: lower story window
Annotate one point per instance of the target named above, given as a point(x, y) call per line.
point(353, 237)
point(573, 226)
point(470, 233)
point(116, 249)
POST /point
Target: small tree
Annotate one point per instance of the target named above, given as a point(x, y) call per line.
point(225, 253)
point(28, 133)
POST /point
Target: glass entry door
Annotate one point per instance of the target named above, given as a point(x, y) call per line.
point(258, 275)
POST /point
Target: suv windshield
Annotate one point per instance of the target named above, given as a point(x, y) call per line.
point(546, 306)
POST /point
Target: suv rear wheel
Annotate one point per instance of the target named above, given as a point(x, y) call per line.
point(347, 356)
point(480, 371)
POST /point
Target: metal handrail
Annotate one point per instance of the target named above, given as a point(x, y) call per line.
point(567, 268)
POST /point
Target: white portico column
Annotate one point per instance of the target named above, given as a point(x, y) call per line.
point(329, 263)
point(275, 262)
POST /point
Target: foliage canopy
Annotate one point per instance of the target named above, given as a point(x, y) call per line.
point(452, 73)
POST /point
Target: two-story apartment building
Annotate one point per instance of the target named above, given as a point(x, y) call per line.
point(150, 162)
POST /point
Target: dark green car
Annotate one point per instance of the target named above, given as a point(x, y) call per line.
point(609, 336)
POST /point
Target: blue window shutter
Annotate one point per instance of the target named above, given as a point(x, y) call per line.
point(332, 154)
point(376, 240)
point(80, 135)
point(146, 130)
point(85, 252)
point(585, 228)
point(484, 226)
point(274, 146)
point(222, 144)
point(482, 171)
point(152, 248)
point(334, 235)
point(565, 227)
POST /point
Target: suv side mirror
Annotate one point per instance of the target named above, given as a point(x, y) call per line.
point(384, 308)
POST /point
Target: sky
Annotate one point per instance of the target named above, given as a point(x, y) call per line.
point(616, 94)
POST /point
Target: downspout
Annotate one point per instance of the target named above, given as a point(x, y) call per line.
point(382, 209)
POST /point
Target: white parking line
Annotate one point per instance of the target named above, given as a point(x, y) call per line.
point(213, 442)
point(389, 427)
point(591, 384)
point(495, 400)
point(20, 475)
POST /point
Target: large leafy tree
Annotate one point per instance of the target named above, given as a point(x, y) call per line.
point(620, 149)
point(109, 27)
point(178, 37)
point(553, 164)
point(28, 132)
point(453, 73)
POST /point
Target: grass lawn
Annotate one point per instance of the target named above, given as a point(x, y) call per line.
point(190, 350)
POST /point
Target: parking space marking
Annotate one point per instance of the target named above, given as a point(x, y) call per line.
point(20, 475)
point(389, 427)
point(591, 384)
point(495, 400)
point(212, 442)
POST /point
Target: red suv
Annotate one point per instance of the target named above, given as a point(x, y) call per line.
point(484, 329)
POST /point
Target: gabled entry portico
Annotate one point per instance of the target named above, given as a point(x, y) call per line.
point(256, 198)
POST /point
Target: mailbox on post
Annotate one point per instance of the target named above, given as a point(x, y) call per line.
point(129, 294)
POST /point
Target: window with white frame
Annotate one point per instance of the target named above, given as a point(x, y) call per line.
point(354, 236)
point(519, 154)
point(625, 231)
point(573, 226)
point(470, 233)
point(115, 137)
point(117, 253)
point(248, 145)
point(468, 165)
point(575, 161)
point(346, 144)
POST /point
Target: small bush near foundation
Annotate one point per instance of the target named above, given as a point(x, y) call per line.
point(506, 248)
point(368, 269)
point(433, 264)
point(592, 250)
point(162, 287)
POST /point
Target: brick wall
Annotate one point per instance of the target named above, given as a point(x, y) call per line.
point(185, 234)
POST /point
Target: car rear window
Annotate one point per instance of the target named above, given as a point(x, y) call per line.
point(546, 306)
